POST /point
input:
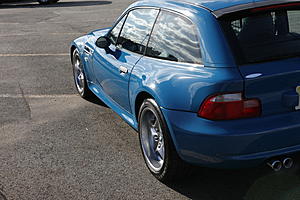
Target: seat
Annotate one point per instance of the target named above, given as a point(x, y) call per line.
point(257, 29)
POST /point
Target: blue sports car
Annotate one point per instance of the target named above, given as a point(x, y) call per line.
point(214, 83)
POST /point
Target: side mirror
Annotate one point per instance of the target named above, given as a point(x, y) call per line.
point(103, 42)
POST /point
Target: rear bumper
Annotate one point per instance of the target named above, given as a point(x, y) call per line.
point(235, 143)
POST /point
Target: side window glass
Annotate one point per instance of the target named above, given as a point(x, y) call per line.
point(137, 28)
point(294, 22)
point(114, 34)
point(174, 38)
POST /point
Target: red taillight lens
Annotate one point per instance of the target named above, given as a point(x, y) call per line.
point(229, 106)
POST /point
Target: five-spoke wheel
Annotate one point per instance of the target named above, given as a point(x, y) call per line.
point(79, 76)
point(157, 147)
point(152, 140)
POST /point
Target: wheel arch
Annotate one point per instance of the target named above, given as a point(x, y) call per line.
point(138, 97)
point(72, 49)
point(143, 95)
point(146, 94)
point(139, 101)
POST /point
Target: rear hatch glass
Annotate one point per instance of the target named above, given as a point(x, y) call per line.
point(263, 36)
point(266, 44)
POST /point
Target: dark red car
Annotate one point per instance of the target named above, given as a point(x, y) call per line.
point(44, 2)
point(47, 1)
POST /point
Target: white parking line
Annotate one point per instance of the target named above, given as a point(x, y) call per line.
point(17, 96)
point(5, 23)
point(34, 54)
point(38, 34)
point(65, 33)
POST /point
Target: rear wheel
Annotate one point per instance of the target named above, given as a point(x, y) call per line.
point(79, 76)
point(45, 2)
point(157, 147)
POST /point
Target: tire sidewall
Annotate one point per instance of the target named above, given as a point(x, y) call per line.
point(76, 54)
point(151, 104)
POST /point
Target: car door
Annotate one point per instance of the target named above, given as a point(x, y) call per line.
point(113, 65)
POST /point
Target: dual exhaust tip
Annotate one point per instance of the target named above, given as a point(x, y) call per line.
point(277, 165)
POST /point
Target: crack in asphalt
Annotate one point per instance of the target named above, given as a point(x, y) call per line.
point(54, 15)
point(2, 195)
point(25, 100)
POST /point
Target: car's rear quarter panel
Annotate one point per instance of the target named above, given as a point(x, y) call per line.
point(179, 86)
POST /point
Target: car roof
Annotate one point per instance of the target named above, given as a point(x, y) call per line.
point(222, 7)
point(214, 5)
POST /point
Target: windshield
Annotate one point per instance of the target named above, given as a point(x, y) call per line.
point(264, 36)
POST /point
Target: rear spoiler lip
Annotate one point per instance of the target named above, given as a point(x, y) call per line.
point(237, 8)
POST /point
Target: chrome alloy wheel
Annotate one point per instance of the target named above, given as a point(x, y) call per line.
point(78, 73)
point(152, 140)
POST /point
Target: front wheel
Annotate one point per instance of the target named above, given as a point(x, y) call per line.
point(79, 76)
point(45, 2)
point(157, 147)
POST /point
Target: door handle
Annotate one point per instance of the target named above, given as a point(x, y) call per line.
point(88, 50)
point(123, 70)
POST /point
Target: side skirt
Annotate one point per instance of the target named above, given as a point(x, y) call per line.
point(128, 117)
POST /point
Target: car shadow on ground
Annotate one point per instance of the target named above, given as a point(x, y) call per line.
point(95, 100)
point(250, 184)
point(33, 4)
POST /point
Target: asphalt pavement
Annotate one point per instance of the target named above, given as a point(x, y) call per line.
point(55, 145)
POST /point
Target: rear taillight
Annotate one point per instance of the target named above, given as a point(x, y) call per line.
point(229, 106)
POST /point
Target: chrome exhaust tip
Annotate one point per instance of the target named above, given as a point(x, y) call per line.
point(288, 163)
point(276, 165)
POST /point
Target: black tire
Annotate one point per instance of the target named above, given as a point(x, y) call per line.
point(173, 167)
point(46, 2)
point(84, 90)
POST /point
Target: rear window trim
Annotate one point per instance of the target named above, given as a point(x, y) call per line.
point(249, 6)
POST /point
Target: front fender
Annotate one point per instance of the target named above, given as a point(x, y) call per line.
point(88, 40)
point(79, 43)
